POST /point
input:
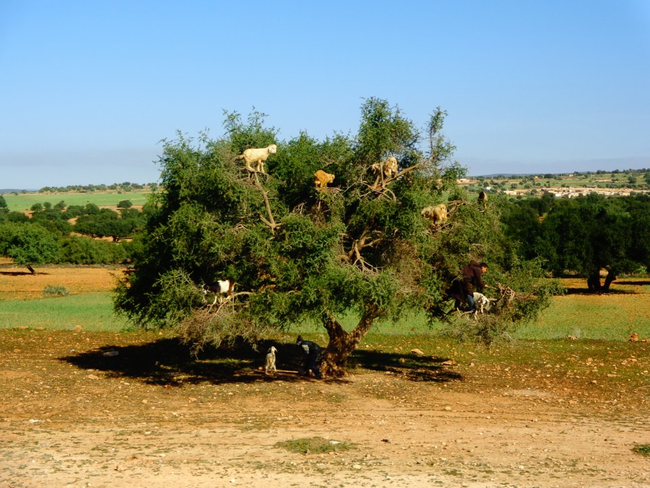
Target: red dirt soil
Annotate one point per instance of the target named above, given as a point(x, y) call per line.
point(73, 415)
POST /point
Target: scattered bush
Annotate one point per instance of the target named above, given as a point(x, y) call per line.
point(55, 291)
point(314, 445)
point(643, 449)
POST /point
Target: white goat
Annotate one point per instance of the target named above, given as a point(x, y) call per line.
point(482, 302)
point(270, 361)
point(257, 156)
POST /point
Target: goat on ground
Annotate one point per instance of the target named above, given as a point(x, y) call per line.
point(269, 367)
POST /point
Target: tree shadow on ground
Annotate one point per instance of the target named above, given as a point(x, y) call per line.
point(585, 291)
point(410, 366)
point(21, 273)
point(169, 362)
point(612, 291)
point(632, 283)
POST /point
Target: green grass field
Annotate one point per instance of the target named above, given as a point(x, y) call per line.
point(24, 201)
point(609, 318)
point(90, 311)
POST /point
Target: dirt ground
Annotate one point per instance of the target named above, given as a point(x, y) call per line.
point(124, 410)
point(118, 410)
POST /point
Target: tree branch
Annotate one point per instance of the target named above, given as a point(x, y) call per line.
point(271, 221)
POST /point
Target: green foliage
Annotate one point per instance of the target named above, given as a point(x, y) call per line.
point(53, 220)
point(17, 217)
point(77, 198)
point(108, 223)
point(583, 235)
point(29, 244)
point(45, 237)
point(83, 250)
point(360, 247)
point(91, 209)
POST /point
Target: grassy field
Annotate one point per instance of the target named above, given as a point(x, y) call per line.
point(88, 311)
point(612, 317)
point(577, 314)
point(24, 201)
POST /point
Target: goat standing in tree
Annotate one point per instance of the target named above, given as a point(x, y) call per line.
point(257, 156)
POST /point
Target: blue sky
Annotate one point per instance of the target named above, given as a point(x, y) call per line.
point(88, 89)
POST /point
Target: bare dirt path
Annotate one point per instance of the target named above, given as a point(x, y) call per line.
point(70, 416)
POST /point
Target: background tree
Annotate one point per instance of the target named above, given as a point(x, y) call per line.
point(584, 235)
point(29, 245)
point(53, 219)
point(60, 206)
point(108, 223)
point(84, 250)
point(360, 249)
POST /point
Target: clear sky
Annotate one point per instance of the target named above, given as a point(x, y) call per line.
point(88, 89)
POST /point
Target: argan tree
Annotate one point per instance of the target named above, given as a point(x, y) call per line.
point(29, 244)
point(584, 235)
point(359, 247)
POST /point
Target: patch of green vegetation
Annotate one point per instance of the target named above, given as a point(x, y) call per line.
point(314, 445)
point(55, 291)
point(643, 449)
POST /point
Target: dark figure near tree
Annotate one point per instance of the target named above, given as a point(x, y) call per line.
point(311, 354)
point(462, 290)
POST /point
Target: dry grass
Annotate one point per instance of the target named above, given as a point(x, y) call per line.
point(17, 283)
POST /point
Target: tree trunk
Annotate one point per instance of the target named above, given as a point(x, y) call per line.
point(343, 343)
point(611, 276)
point(593, 282)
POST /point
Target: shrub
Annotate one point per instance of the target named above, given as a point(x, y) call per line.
point(643, 449)
point(314, 445)
point(55, 291)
